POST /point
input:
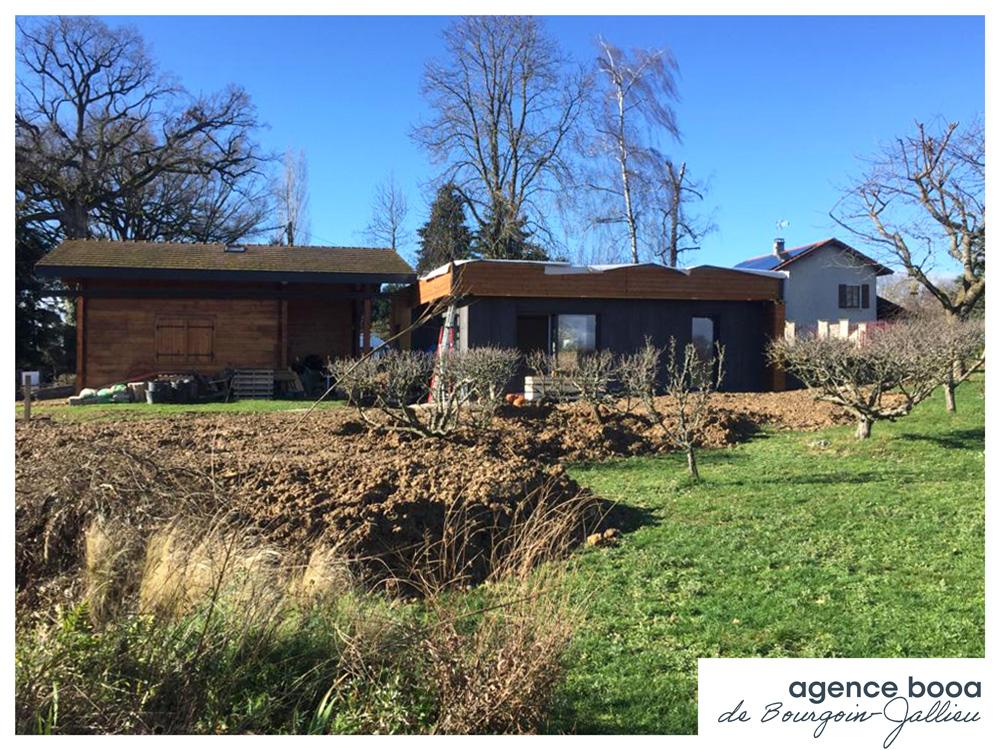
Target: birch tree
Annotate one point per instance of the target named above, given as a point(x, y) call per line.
point(635, 106)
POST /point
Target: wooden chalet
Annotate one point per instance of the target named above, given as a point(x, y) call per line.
point(146, 307)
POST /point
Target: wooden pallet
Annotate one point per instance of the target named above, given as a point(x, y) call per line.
point(253, 384)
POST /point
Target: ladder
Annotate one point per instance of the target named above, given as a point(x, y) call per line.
point(446, 344)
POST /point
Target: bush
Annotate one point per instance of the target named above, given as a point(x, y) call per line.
point(425, 394)
point(891, 370)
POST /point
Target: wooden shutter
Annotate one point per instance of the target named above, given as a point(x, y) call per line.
point(185, 340)
point(865, 298)
point(201, 340)
point(171, 339)
point(842, 296)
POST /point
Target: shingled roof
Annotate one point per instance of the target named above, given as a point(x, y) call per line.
point(215, 261)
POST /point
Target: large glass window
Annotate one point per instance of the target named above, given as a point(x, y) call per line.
point(703, 337)
point(575, 335)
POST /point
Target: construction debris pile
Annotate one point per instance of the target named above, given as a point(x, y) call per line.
point(195, 388)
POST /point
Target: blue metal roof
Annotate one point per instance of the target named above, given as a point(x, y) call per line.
point(771, 261)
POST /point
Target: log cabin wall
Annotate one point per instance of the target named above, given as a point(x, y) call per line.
point(156, 326)
point(126, 338)
point(323, 327)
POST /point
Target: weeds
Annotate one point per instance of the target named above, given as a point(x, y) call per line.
point(206, 628)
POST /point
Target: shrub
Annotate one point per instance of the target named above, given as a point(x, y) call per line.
point(425, 394)
point(590, 375)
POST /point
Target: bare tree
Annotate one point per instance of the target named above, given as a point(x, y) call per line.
point(182, 207)
point(291, 196)
point(389, 209)
point(687, 381)
point(636, 101)
point(679, 228)
point(89, 100)
point(503, 108)
point(884, 376)
point(921, 201)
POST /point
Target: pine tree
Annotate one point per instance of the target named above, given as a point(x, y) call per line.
point(506, 237)
point(445, 237)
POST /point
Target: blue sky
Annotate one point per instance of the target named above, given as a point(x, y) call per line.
point(773, 109)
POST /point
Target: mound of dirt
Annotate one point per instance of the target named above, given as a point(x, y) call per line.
point(569, 432)
point(386, 500)
point(383, 497)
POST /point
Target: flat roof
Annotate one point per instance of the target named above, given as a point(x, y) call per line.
point(561, 267)
point(515, 278)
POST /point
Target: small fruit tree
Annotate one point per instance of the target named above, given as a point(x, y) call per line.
point(888, 372)
point(686, 380)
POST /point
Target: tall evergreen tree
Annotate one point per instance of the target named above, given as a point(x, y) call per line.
point(41, 328)
point(506, 236)
point(445, 237)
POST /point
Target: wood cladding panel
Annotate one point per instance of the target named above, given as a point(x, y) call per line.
point(774, 328)
point(320, 327)
point(642, 282)
point(432, 289)
point(121, 336)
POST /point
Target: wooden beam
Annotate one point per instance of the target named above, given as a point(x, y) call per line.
point(81, 343)
point(355, 327)
point(401, 318)
point(774, 328)
point(283, 333)
point(366, 327)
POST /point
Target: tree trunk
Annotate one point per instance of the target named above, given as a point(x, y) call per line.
point(864, 428)
point(692, 464)
point(949, 394)
point(949, 384)
point(626, 187)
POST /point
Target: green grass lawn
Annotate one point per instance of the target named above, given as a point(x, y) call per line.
point(794, 545)
point(61, 410)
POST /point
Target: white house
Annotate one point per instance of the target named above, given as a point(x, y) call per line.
point(827, 280)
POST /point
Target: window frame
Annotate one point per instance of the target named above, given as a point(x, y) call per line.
point(848, 291)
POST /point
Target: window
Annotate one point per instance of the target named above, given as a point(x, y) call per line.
point(854, 296)
point(574, 335)
point(703, 337)
point(185, 340)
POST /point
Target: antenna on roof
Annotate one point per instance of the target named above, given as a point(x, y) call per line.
point(779, 241)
